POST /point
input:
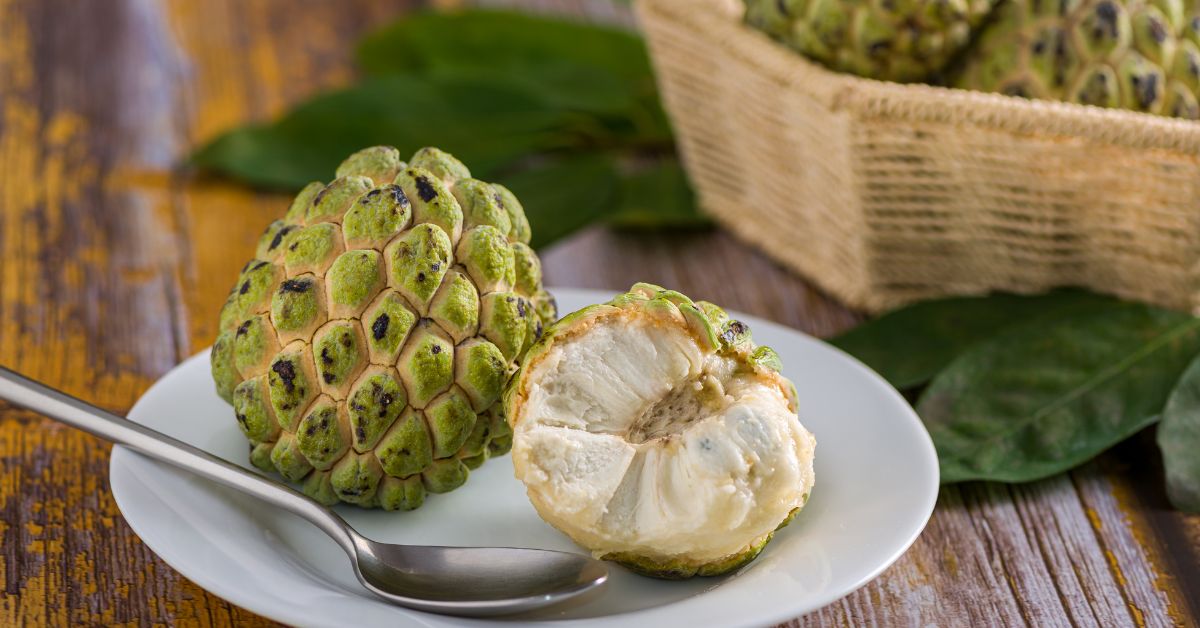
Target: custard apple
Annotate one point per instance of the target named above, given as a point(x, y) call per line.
point(365, 347)
point(891, 40)
point(1142, 55)
point(652, 431)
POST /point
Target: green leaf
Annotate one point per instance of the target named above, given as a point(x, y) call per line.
point(1179, 440)
point(571, 64)
point(484, 122)
point(910, 345)
point(564, 194)
point(658, 196)
point(1041, 398)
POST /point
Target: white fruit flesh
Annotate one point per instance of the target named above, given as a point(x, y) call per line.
point(632, 438)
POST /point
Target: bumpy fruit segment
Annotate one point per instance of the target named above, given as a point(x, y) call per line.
point(902, 40)
point(1141, 55)
point(653, 432)
point(365, 348)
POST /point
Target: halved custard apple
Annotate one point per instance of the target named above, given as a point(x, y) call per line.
point(652, 431)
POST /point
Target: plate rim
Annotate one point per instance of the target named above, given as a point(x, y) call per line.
point(211, 583)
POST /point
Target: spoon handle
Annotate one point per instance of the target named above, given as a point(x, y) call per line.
point(57, 405)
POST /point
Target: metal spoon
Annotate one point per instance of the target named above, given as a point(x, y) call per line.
point(470, 581)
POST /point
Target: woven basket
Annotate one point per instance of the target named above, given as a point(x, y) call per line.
point(884, 193)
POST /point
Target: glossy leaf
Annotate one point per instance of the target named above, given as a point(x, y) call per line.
point(910, 345)
point(564, 194)
point(657, 196)
point(484, 122)
point(1041, 398)
point(1179, 440)
point(571, 64)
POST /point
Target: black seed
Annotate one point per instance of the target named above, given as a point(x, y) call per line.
point(259, 265)
point(420, 277)
point(436, 349)
point(358, 407)
point(325, 358)
point(361, 433)
point(521, 308)
point(328, 377)
point(1146, 89)
point(295, 285)
point(370, 195)
point(279, 236)
point(244, 327)
point(1106, 25)
point(1158, 31)
point(241, 418)
point(287, 374)
point(404, 452)
point(325, 422)
point(293, 246)
point(312, 429)
point(398, 196)
point(425, 189)
point(245, 287)
point(380, 326)
point(436, 267)
point(347, 340)
point(325, 450)
point(733, 330)
point(1060, 58)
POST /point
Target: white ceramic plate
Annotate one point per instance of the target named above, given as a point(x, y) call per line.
point(876, 472)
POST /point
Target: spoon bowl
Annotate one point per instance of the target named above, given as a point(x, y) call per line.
point(468, 581)
point(476, 580)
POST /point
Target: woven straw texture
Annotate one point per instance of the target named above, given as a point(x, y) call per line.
point(885, 194)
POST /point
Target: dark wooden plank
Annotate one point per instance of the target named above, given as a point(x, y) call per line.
point(98, 285)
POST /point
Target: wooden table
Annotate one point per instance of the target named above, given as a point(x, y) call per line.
point(114, 261)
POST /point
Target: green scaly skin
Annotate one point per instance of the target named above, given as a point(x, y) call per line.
point(1139, 55)
point(903, 41)
point(366, 345)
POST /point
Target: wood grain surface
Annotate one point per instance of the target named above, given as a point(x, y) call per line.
point(114, 260)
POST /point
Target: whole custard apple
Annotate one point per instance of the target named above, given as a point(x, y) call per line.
point(1141, 55)
point(893, 40)
point(365, 347)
